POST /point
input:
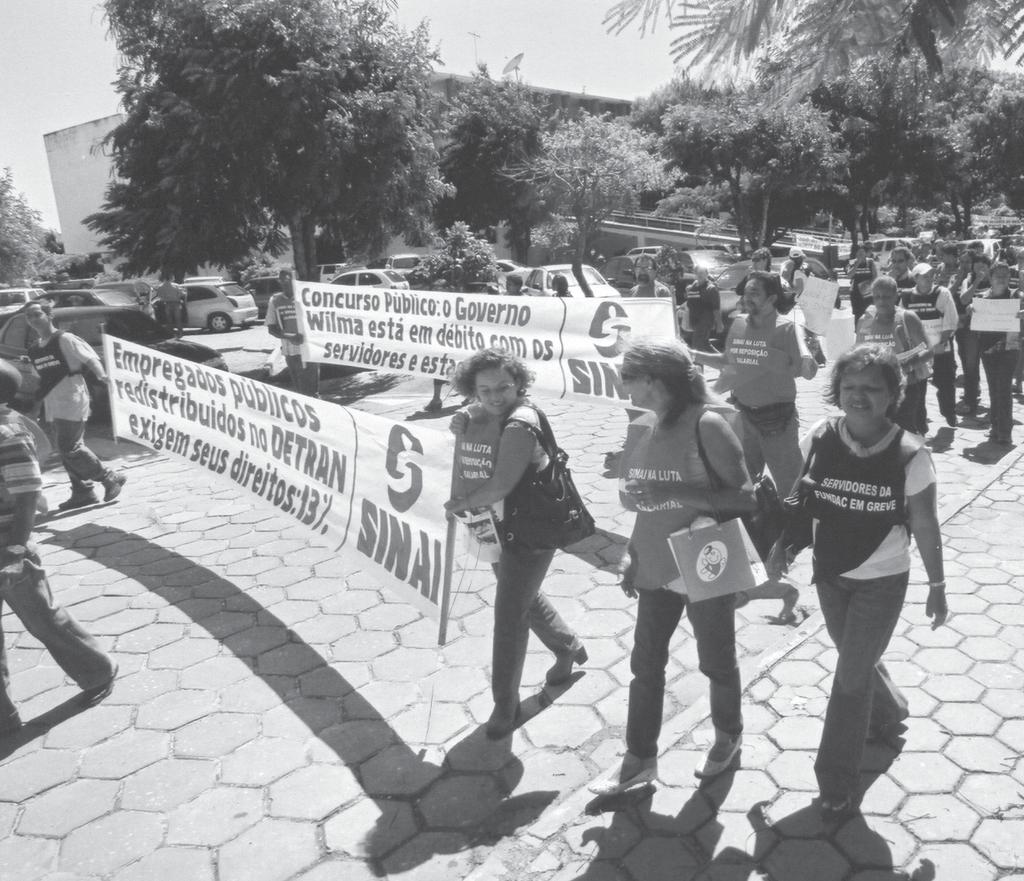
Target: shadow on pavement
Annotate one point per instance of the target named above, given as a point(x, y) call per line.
point(987, 452)
point(390, 772)
point(41, 724)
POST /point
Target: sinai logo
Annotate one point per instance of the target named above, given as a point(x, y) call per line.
point(610, 331)
point(711, 561)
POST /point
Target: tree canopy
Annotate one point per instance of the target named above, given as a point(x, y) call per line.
point(246, 119)
point(21, 233)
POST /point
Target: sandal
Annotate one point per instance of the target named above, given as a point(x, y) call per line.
point(833, 810)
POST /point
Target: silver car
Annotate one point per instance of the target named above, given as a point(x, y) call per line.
point(218, 305)
point(372, 278)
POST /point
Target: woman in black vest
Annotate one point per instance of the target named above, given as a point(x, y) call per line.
point(867, 486)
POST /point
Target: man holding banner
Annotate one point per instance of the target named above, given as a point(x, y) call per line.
point(281, 323)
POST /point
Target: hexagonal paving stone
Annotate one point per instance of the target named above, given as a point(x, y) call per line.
point(1002, 841)
point(290, 659)
point(184, 863)
point(967, 718)
point(661, 859)
point(794, 769)
point(56, 812)
point(953, 688)
point(255, 640)
point(996, 675)
point(313, 792)
point(431, 856)
point(431, 722)
point(363, 646)
point(176, 708)
point(151, 637)
point(800, 858)
point(369, 828)
point(262, 761)
point(1011, 733)
point(272, 850)
point(925, 772)
point(215, 816)
point(183, 653)
point(874, 843)
point(216, 735)
point(939, 660)
point(86, 729)
point(981, 754)
point(563, 726)
point(35, 772)
point(939, 817)
point(990, 793)
point(27, 859)
point(795, 673)
point(953, 861)
point(460, 801)
point(397, 771)
point(168, 783)
point(410, 664)
point(215, 673)
point(107, 844)
point(796, 732)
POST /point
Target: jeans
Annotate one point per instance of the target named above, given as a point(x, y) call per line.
point(79, 461)
point(970, 365)
point(780, 452)
point(520, 607)
point(999, 369)
point(944, 380)
point(75, 651)
point(305, 377)
point(911, 413)
point(860, 615)
point(714, 628)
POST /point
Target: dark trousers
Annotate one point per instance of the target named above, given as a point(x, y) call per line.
point(970, 366)
point(912, 414)
point(305, 377)
point(81, 463)
point(944, 380)
point(999, 369)
point(714, 628)
point(75, 651)
point(519, 607)
point(861, 615)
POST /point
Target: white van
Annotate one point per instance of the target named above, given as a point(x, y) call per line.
point(329, 270)
point(883, 247)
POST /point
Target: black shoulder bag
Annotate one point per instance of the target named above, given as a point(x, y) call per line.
point(545, 511)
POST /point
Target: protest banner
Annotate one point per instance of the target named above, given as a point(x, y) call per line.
point(572, 345)
point(373, 487)
point(999, 314)
point(816, 302)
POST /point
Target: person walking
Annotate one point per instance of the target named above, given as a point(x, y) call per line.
point(172, 301)
point(890, 325)
point(24, 587)
point(764, 354)
point(976, 284)
point(705, 308)
point(282, 324)
point(936, 308)
point(648, 286)
point(62, 361)
point(498, 440)
point(664, 479)
point(862, 270)
point(868, 486)
point(998, 352)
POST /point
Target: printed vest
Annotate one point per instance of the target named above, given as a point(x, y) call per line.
point(859, 276)
point(925, 306)
point(50, 364)
point(855, 499)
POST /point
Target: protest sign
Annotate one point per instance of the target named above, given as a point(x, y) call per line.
point(998, 314)
point(572, 345)
point(373, 487)
point(816, 302)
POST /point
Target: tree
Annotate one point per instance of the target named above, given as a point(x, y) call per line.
point(768, 159)
point(21, 233)
point(246, 119)
point(459, 258)
point(809, 41)
point(590, 167)
point(493, 127)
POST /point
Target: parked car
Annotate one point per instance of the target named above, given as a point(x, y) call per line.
point(93, 297)
point(329, 270)
point(262, 288)
point(883, 246)
point(138, 286)
point(89, 323)
point(12, 299)
point(649, 250)
point(621, 272)
point(538, 282)
point(374, 278)
point(218, 305)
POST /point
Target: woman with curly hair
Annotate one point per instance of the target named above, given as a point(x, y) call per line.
point(498, 445)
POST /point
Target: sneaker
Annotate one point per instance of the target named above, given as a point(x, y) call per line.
point(92, 696)
point(634, 772)
point(112, 484)
point(720, 757)
point(79, 500)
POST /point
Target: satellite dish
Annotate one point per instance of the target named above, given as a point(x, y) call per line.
point(513, 64)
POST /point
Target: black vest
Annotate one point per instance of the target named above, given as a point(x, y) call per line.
point(925, 305)
point(50, 364)
point(856, 500)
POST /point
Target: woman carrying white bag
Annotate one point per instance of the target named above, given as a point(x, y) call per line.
point(663, 479)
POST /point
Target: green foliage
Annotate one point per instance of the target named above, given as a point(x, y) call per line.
point(459, 259)
point(769, 160)
point(21, 234)
point(61, 267)
point(246, 119)
point(492, 127)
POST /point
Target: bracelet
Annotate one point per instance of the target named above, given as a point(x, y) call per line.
point(934, 584)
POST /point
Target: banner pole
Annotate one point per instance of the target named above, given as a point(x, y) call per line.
point(449, 554)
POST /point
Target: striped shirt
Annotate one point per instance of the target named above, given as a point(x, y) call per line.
point(19, 467)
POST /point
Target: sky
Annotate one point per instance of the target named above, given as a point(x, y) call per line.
point(58, 64)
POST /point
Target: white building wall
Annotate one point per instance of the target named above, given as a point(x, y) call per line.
point(80, 171)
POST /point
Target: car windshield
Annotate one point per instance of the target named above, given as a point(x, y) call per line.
point(394, 276)
point(135, 326)
point(13, 298)
point(729, 278)
point(115, 298)
point(232, 290)
point(713, 260)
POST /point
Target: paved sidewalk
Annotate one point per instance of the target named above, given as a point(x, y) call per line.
point(279, 716)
